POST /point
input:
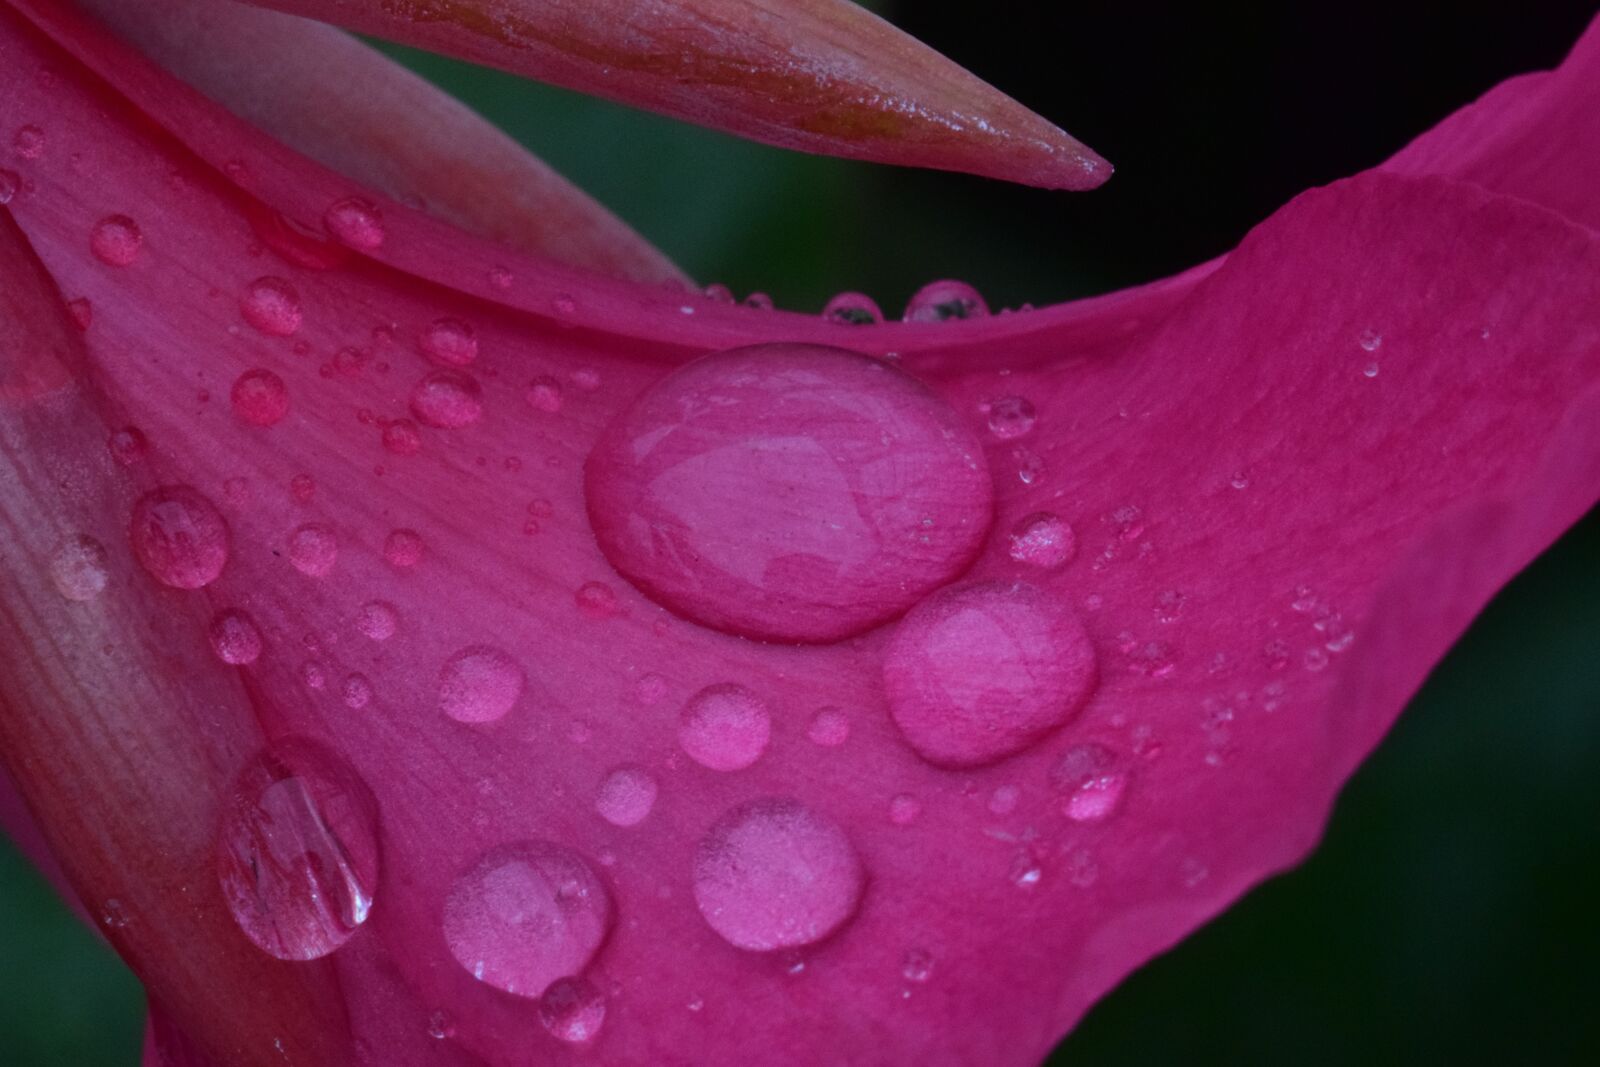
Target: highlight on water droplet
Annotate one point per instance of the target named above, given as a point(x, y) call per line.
point(725, 727)
point(314, 549)
point(259, 397)
point(480, 684)
point(1009, 417)
point(297, 851)
point(853, 309)
point(626, 796)
point(572, 1010)
point(449, 341)
point(788, 492)
point(942, 301)
point(772, 873)
point(917, 965)
point(235, 638)
point(355, 222)
point(116, 240)
point(79, 568)
point(10, 183)
point(980, 671)
point(272, 306)
point(1091, 778)
point(526, 914)
point(179, 536)
point(447, 400)
point(1043, 540)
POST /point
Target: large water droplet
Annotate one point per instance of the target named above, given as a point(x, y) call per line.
point(297, 851)
point(78, 568)
point(853, 309)
point(449, 341)
point(980, 671)
point(116, 240)
point(526, 914)
point(355, 222)
point(272, 305)
point(479, 684)
point(773, 874)
point(573, 1010)
point(1010, 417)
point(792, 492)
point(314, 549)
point(944, 300)
point(235, 638)
point(725, 727)
point(447, 400)
point(179, 536)
point(1043, 540)
point(260, 398)
point(626, 796)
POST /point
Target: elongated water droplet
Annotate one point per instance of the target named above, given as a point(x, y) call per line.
point(260, 398)
point(789, 492)
point(480, 683)
point(945, 300)
point(179, 537)
point(526, 914)
point(626, 796)
point(116, 240)
point(449, 341)
point(79, 569)
point(297, 852)
point(725, 727)
point(773, 874)
point(356, 222)
point(447, 400)
point(544, 394)
point(272, 306)
point(1043, 540)
point(980, 671)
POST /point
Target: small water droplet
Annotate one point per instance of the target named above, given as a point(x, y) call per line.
point(235, 638)
point(480, 684)
point(113, 914)
point(1043, 540)
point(79, 568)
point(544, 394)
point(904, 809)
point(572, 1010)
point(356, 691)
point(626, 796)
point(1370, 341)
point(526, 914)
point(1315, 659)
point(980, 671)
point(449, 341)
point(403, 549)
point(378, 620)
point(402, 438)
point(128, 445)
point(297, 851)
point(272, 306)
point(724, 727)
point(830, 727)
point(596, 600)
point(1169, 606)
point(29, 142)
point(441, 1026)
point(356, 222)
point(1025, 872)
point(259, 397)
point(314, 549)
point(853, 309)
point(942, 301)
point(116, 240)
point(179, 537)
point(447, 400)
point(759, 301)
point(501, 278)
point(1370, 370)
point(10, 184)
point(650, 690)
point(1009, 417)
point(917, 965)
point(773, 874)
point(1004, 800)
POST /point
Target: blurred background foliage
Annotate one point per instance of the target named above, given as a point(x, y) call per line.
point(1450, 915)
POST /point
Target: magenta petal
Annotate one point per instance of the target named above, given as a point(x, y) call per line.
point(1292, 478)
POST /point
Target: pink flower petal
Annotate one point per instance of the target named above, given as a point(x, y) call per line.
point(1293, 477)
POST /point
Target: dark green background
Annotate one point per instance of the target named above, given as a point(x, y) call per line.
point(1450, 915)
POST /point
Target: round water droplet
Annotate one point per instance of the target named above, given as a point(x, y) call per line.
point(447, 400)
point(479, 684)
point(29, 142)
point(259, 397)
point(759, 301)
point(116, 240)
point(128, 445)
point(314, 549)
point(1043, 540)
point(773, 874)
point(980, 671)
point(853, 309)
point(378, 620)
point(945, 300)
point(573, 1010)
point(724, 727)
point(1004, 800)
point(449, 341)
point(526, 914)
point(179, 537)
point(650, 690)
point(402, 438)
point(1370, 340)
point(789, 492)
point(403, 549)
point(79, 569)
point(1010, 416)
point(917, 965)
point(235, 638)
point(544, 394)
point(272, 306)
point(297, 851)
point(904, 809)
point(829, 728)
point(356, 691)
point(626, 796)
point(355, 222)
